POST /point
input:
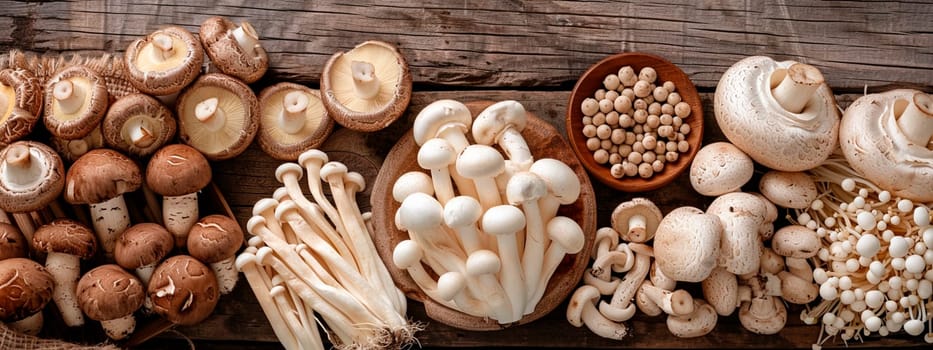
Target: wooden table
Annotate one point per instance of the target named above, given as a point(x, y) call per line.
point(532, 52)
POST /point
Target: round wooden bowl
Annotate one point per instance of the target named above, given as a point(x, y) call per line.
point(545, 142)
point(592, 80)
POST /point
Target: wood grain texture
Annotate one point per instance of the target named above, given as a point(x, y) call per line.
point(540, 44)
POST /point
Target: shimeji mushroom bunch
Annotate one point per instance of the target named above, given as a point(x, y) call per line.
point(317, 256)
point(484, 235)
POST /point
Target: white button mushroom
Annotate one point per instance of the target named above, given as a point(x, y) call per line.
point(686, 244)
point(720, 168)
point(502, 123)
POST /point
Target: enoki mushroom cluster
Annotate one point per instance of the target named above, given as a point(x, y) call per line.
point(310, 257)
point(874, 267)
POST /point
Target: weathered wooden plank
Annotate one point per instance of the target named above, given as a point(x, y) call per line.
point(544, 44)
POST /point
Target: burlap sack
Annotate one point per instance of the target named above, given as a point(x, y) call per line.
point(10, 339)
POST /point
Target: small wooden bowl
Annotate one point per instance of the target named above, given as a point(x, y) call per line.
point(545, 141)
point(592, 80)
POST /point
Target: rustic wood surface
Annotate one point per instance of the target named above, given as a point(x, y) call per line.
point(532, 52)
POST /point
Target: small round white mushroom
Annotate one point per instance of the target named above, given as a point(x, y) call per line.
point(794, 190)
point(720, 168)
point(686, 244)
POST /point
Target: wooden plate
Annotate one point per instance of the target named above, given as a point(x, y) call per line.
point(592, 80)
point(545, 142)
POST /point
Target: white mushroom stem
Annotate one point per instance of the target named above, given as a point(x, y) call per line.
point(226, 274)
point(797, 87)
point(573, 234)
point(164, 47)
point(364, 79)
point(140, 132)
point(119, 328)
point(109, 218)
point(312, 160)
point(916, 121)
point(625, 292)
point(246, 37)
point(282, 301)
point(180, 213)
point(591, 317)
point(210, 114)
point(65, 270)
point(482, 266)
point(309, 326)
point(70, 96)
point(637, 225)
point(259, 282)
point(677, 303)
point(407, 256)
point(452, 286)
point(31, 325)
point(293, 119)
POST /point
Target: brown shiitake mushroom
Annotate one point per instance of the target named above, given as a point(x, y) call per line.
point(20, 104)
point(27, 288)
point(234, 50)
point(293, 120)
point(111, 295)
point(76, 99)
point(138, 125)
point(368, 87)
point(165, 61)
point(32, 175)
point(178, 172)
point(183, 290)
point(218, 115)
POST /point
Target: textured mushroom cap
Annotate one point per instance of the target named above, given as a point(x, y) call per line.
point(439, 116)
point(143, 244)
point(12, 242)
point(79, 123)
point(279, 143)
point(25, 288)
point(796, 241)
point(171, 75)
point(176, 170)
point(696, 324)
point(764, 315)
point(719, 168)
point(216, 34)
point(793, 190)
point(874, 145)
point(100, 175)
point(66, 236)
point(755, 122)
point(741, 215)
point(480, 161)
point(71, 150)
point(360, 114)
point(241, 116)
point(33, 185)
point(496, 118)
point(183, 290)
point(138, 111)
point(109, 292)
point(686, 244)
point(721, 290)
point(22, 92)
point(636, 206)
point(214, 238)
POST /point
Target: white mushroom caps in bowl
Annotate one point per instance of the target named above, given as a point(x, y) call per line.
point(292, 120)
point(218, 115)
point(888, 138)
point(366, 88)
point(20, 104)
point(234, 49)
point(138, 125)
point(164, 62)
point(781, 113)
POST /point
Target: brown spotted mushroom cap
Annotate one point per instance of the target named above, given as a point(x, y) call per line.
point(66, 236)
point(218, 115)
point(76, 100)
point(20, 104)
point(12, 242)
point(165, 61)
point(31, 176)
point(25, 288)
point(143, 244)
point(109, 292)
point(234, 50)
point(183, 290)
point(176, 170)
point(100, 175)
point(138, 125)
point(293, 120)
point(214, 238)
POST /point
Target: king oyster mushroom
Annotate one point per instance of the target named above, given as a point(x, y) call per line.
point(20, 104)
point(293, 119)
point(888, 138)
point(138, 125)
point(368, 87)
point(234, 50)
point(781, 113)
point(164, 62)
point(218, 115)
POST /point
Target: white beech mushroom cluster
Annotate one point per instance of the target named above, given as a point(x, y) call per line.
point(635, 124)
point(317, 256)
point(484, 224)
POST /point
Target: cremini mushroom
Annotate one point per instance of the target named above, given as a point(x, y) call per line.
point(234, 50)
point(178, 172)
point(741, 215)
point(12, 242)
point(292, 120)
point(66, 242)
point(76, 100)
point(582, 311)
point(111, 295)
point(138, 125)
point(215, 240)
point(636, 220)
point(218, 115)
point(20, 104)
point(781, 113)
point(164, 62)
point(888, 138)
point(31, 177)
point(368, 87)
point(720, 168)
point(502, 123)
point(686, 244)
point(143, 246)
point(183, 290)
point(99, 179)
point(27, 288)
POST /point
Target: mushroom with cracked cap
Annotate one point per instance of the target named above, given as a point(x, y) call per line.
point(20, 104)
point(502, 123)
point(111, 295)
point(214, 240)
point(178, 172)
point(142, 247)
point(183, 290)
point(719, 168)
point(99, 178)
point(636, 220)
point(781, 113)
point(31, 177)
point(582, 311)
point(67, 242)
point(292, 120)
point(686, 244)
point(26, 289)
point(234, 50)
point(138, 125)
point(218, 115)
point(164, 62)
point(368, 87)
